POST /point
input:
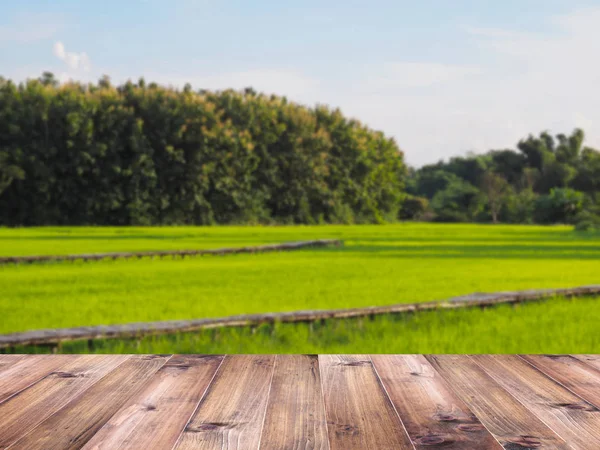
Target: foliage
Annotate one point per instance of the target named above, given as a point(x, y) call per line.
point(458, 202)
point(9, 171)
point(519, 206)
point(561, 204)
point(495, 188)
point(413, 207)
point(544, 180)
point(141, 154)
point(587, 221)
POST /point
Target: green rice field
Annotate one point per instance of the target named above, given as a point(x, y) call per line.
point(553, 326)
point(378, 265)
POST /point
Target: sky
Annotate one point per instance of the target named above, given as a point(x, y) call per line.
point(443, 78)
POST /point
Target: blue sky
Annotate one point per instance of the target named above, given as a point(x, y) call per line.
point(442, 77)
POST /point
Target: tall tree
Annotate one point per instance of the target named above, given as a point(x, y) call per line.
point(494, 188)
point(8, 172)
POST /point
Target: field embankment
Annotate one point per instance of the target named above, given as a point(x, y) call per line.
point(87, 257)
point(141, 330)
point(378, 266)
point(553, 326)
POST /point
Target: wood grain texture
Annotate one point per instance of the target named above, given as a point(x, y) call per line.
point(573, 419)
point(592, 360)
point(24, 411)
point(505, 417)
point(359, 412)
point(231, 414)
point(433, 415)
point(157, 415)
point(73, 425)
point(25, 372)
point(295, 418)
point(300, 402)
point(7, 361)
point(581, 378)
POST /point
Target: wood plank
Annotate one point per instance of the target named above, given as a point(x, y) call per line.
point(579, 377)
point(7, 361)
point(359, 412)
point(295, 416)
point(73, 425)
point(30, 370)
point(156, 416)
point(573, 419)
point(592, 360)
point(506, 418)
point(433, 415)
point(231, 414)
point(24, 411)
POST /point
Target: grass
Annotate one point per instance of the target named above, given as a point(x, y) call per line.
point(378, 265)
point(74, 240)
point(553, 326)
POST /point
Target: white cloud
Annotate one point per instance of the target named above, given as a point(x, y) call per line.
point(74, 61)
point(535, 81)
point(59, 50)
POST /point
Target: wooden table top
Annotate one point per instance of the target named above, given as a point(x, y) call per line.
point(299, 402)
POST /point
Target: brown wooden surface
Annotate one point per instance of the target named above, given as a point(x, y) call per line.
point(295, 416)
point(507, 419)
point(359, 413)
point(575, 420)
point(74, 424)
point(31, 406)
point(158, 414)
point(7, 361)
point(433, 415)
point(18, 376)
point(300, 402)
point(232, 413)
point(580, 377)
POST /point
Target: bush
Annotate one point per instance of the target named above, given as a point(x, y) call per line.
point(459, 202)
point(519, 207)
point(561, 205)
point(413, 208)
point(587, 221)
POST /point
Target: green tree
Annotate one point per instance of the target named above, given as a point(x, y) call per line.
point(8, 172)
point(140, 153)
point(561, 205)
point(495, 188)
point(538, 151)
point(459, 202)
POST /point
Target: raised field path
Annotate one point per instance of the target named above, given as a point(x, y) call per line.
point(136, 330)
point(325, 402)
point(286, 246)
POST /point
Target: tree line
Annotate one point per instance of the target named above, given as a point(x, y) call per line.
point(143, 154)
point(546, 179)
